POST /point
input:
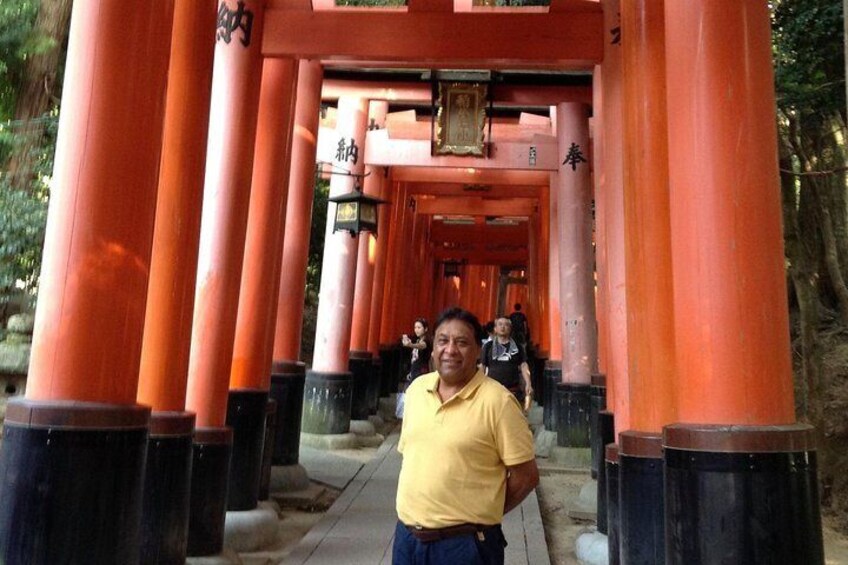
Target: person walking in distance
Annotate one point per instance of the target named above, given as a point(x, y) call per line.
point(506, 362)
point(422, 349)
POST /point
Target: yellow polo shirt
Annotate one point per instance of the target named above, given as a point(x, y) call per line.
point(455, 454)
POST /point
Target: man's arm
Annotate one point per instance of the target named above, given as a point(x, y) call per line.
point(525, 372)
point(521, 479)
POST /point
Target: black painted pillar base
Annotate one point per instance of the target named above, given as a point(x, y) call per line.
point(327, 401)
point(209, 477)
point(612, 475)
point(268, 449)
point(374, 385)
point(71, 479)
point(641, 498)
point(606, 436)
point(361, 366)
point(386, 375)
point(742, 494)
point(246, 410)
point(537, 377)
point(572, 424)
point(553, 376)
point(287, 381)
point(597, 403)
point(167, 484)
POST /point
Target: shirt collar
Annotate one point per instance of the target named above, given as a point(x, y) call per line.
point(465, 392)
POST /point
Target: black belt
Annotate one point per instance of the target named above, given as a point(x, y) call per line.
point(427, 535)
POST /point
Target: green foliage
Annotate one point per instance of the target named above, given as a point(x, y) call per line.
point(23, 211)
point(809, 58)
point(23, 216)
point(16, 44)
point(316, 240)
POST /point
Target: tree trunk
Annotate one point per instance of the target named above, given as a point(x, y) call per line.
point(38, 92)
point(801, 272)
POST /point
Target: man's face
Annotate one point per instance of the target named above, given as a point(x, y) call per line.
point(503, 327)
point(455, 352)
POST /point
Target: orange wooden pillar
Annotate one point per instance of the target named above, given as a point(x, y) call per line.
point(611, 185)
point(229, 163)
point(366, 389)
point(610, 195)
point(576, 269)
point(382, 356)
point(601, 419)
point(734, 371)
point(83, 372)
point(288, 373)
point(601, 269)
point(398, 214)
point(542, 261)
point(329, 376)
point(553, 366)
point(170, 292)
point(650, 309)
point(250, 373)
point(298, 213)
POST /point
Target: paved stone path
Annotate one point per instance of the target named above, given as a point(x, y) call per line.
point(358, 528)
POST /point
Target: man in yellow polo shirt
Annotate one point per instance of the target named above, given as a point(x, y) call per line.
point(467, 456)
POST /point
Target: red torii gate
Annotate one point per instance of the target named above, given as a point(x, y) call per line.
point(693, 328)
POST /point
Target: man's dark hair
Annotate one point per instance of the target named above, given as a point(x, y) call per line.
point(517, 306)
point(456, 313)
point(489, 328)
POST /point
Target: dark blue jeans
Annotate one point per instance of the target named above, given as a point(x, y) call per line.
point(459, 550)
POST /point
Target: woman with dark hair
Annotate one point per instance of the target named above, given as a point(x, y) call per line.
point(422, 349)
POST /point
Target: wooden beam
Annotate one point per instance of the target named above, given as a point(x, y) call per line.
point(475, 206)
point(569, 39)
point(538, 132)
point(471, 175)
point(477, 257)
point(420, 93)
point(430, 5)
point(382, 151)
point(493, 191)
point(441, 232)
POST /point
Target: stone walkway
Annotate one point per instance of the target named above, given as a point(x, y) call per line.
point(358, 528)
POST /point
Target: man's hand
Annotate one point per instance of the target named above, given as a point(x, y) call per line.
point(520, 481)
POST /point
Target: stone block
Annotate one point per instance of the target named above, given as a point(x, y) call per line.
point(251, 530)
point(21, 323)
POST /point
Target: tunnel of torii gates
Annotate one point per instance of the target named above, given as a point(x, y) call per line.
point(172, 285)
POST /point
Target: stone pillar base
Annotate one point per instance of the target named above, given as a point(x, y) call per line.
point(742, 494)
point(553, 376)
point(327, 399)
point(268, 449)
point(252, 530)
point(329, 441)
point(597, 403)
point(641, 498)
point(361, 366)
point(572, 418)
point(606, 436)
point(246, 415)
point(287, 381)
point(209, 477)
point(537, 376)
point(289, 478)
point(167, 485)
point(611, 465)
point(224, 557)
point(375, 385)
point(71, 480)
